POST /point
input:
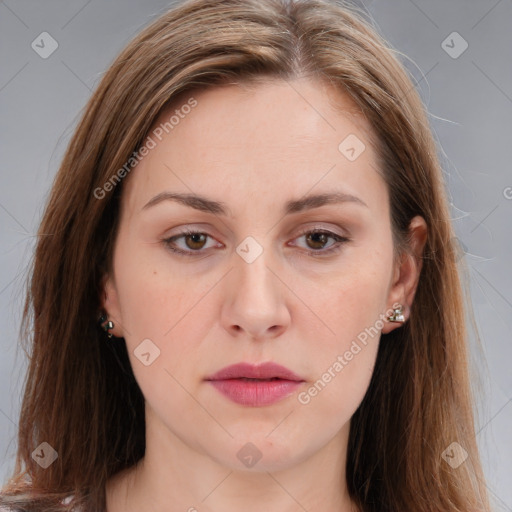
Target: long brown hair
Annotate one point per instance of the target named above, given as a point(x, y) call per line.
point(80, 393)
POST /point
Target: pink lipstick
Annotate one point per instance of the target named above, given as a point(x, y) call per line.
point(255, 385)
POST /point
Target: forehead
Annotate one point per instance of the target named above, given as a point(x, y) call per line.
point(266, 138)
point(270, 110)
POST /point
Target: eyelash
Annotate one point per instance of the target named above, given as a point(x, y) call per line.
point(339, 241)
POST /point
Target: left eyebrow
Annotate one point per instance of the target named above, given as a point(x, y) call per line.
point(318, 200)
point(204, 204)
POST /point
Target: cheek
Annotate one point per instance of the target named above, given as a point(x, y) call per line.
point(350, 310)
point(160, 314)
point(153, 295)
point(173, 311)
point(172, 316)
point(351, 300)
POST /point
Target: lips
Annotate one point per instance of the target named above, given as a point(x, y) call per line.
point(255, 385)
point(265, 371)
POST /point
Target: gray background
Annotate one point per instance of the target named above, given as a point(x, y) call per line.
point(469, 99)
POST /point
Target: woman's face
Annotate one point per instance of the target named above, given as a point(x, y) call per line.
point(274, 274)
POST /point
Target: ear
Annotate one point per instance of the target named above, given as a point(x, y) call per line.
point(110, 304)
point(406, 273)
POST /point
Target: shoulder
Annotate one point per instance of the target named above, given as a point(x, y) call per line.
point(16, 508)
point(68, 500)
point(5, 508)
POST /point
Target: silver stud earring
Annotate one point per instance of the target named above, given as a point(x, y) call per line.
point(397, 315)
point(106, 325)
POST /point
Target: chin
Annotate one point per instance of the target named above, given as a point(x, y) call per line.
point(258, 453)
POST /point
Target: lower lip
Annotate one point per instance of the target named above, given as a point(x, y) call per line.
point(255, 393)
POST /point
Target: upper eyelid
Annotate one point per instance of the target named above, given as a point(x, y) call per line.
point(314, 226)
point(302, 232)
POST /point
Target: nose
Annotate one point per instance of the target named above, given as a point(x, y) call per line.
point(255, 305)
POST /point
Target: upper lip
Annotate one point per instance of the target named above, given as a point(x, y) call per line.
point(255, 371)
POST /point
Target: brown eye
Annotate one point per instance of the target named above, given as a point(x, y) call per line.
point(317, 240)
point(194, 242)
point(197, 240)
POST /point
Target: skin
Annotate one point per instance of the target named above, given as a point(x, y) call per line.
point(253, 149)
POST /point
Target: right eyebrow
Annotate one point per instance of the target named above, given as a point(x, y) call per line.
point(192, 200)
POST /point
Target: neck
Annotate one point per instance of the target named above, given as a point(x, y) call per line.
point(174, 476)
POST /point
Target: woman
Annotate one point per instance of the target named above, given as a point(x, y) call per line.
point(244, 293)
